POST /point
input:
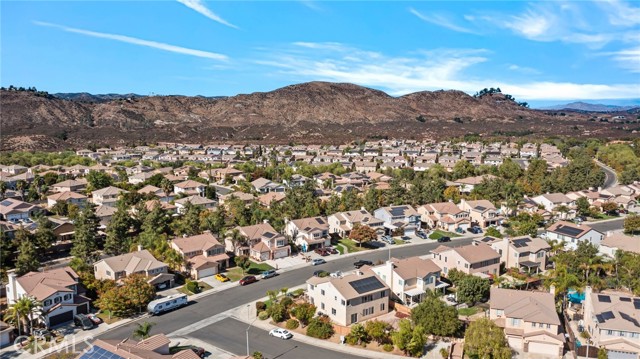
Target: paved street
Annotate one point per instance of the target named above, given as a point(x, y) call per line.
point(604, 226)
point(233, 297)
point(230, 335)
point(611, 180)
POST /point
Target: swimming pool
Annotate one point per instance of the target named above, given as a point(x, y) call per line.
point(575, 297)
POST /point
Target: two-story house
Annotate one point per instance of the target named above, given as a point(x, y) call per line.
point(466, 185)
point(13, 210)
point(67, 197)
point(342, 223)
point(558, 203)
point(349, 299)
point(571, 234)
point(409, 278)
point(520, 252)
point(57, 289)
point(263, 185)
point(156, 192)
point(138, 262)
point(262, 243)
point(204, 255)
point(476, 258)
point(619, 241)
point(107, 196)
point(481, 212)
point(530, 321)
point(71, 185)
point(190, 188)
point(399, 218)
point(195, 200)
point(444, 215)
point(308, 233)
point(613, 322)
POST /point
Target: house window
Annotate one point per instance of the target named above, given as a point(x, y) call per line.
point(343, 302)
point(57, 299)
point(466, 265)
point(540, 325)
point(108, 273)
point(621, 333)
point(382, 306)
point(533, 325)
point(515, 322)
point(333, 311)
point(67, 296)
point(322, 291)
point(540, 255)
point(548, 326)
point(609, 332)
point(322, 306)
point(367, 311)
point(47, 302)
point(354, 317)
point(400, 282)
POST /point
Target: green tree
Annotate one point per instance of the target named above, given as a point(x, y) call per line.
point(510, 170)
point(609, 207)
point(85, 246)
point(484, 339)
point(21, 185)
point(632, 224)
point(189, 222)
point(363, 234)
point(237, 238)
point(358, 334)
point(493, 232)
point(462, 169)
point(98, 180)
point(27, 260)
point(143, 331)
point(373, 199)
point(583, 207)
point(304, 313)
point(452, 193)
point(415, 347)
point(243, 262)
point(436, 317)
point(378, 330)
point(3, 189)
point(22, 313)
point(44, 235)
point(410, 339)
point(118, 239)
point(472, 289)
point(137, 291)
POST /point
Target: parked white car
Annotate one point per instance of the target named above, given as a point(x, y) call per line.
point(281, 333)
point(336, 274)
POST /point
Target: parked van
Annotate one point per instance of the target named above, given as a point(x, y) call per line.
point(81, 320)
point(167, 303)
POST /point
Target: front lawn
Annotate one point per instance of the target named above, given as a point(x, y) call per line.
point(603, 216)
point(203, 287)
point(468, 311)
point(439, 233)
point(104, 315)
point(399, 241)
point(235, 273)
point(352, 246)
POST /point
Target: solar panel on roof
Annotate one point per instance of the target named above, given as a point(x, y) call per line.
point(604, 298)
point(608, 315)
point(366, 285)
point(625, 299)
point(569, 231)
point(521, 243)
point(480, 208)
point(269, 234)
point(6, 203)
point(636, 303)
point(319, 220)
point(100, 353)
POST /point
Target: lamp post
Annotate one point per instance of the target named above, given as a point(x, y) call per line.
point(249, 327)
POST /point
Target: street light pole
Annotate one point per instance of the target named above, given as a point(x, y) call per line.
point(249, 327)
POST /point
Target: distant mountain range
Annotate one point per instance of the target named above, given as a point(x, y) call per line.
point(314, 112)
point(590, 107)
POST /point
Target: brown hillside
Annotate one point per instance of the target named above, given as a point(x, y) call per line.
point(314, 112)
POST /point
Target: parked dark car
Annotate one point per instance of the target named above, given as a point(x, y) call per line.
point(333, 250)
point(82, 321)
point(248, 280)
point(475, 230)
point(421, 235)
point(322, 251)
point(362, 262)
point(444, 239)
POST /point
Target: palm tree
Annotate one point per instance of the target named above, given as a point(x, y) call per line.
point(143, 330)
point(21, 186)
point(23, 310)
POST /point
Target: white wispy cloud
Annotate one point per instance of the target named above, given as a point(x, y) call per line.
point(200, 7)
point(620, 13)
point(628, 59)
point(424, 70)
point(440, 20)
point(523, 69)
point(139, 42)
point(311, 4)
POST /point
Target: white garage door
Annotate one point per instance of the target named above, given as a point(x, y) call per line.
point(207, 272)
point(616, 354)
point(544, 348)
point(515, 342)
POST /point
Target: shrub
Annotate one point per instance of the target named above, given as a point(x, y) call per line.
point(387, 347)
point(193, 287)
point(286, 302)
point(351, 340)
point(278, 312)
point(298, 292)
point(263, 315)
point(292, 324)
point(260, 306)
point(319, 328)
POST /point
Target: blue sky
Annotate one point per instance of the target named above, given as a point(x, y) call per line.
point(542, 52)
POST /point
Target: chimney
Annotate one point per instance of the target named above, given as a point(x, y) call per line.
point(362, 208)
point(265, 221)
point(12, 276)
point(599, 189)
point(139, 247)
point(608, 233)
point(462, 202)
point(552, 290)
